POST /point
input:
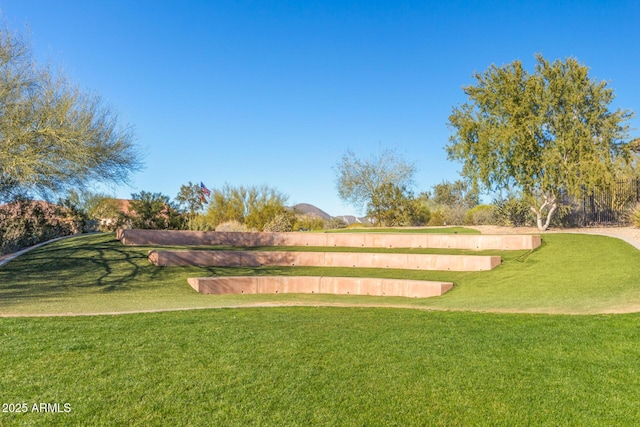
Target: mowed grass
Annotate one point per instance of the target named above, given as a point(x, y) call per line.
point(322, 365)
point(303, 366)
point(569, 273)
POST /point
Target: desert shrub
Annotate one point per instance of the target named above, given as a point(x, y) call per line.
point(513, 212)
point(199, 223)
point(308, 222)
point(232, 225)
point(25, 223)
point(635, 216)
point(454, 215)
point(420, 214)
point(447, 215)
point(480, 215)
point(282, 222)
point(335, 223)
point(254, 206)
point(437, 218)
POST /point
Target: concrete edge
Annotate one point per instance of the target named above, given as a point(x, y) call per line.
point(318, 284)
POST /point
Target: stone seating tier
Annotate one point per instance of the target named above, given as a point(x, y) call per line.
point(170, 258)
point(331, 285)
point(369, 240)
point(320, 285)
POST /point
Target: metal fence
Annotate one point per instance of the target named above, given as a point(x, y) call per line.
point(607, 206)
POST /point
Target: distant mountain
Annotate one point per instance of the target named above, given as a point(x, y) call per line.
point(307, 209)
point(311, 210)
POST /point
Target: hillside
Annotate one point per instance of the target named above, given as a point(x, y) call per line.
point(311, 210)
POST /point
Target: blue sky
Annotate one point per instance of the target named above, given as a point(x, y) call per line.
point(274, 93)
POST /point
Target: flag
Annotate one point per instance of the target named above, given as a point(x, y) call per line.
point(204, 190)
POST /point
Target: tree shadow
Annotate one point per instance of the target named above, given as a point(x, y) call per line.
point(57, 270)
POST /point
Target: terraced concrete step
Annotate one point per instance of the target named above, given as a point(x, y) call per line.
point(369, 240)
point(318, 284)
point(171, 258)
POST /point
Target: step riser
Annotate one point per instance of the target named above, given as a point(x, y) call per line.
point(367, 240)
point(320, 285)
point(324, 259)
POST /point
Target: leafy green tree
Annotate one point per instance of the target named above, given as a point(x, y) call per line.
point(420, 212)
point(451, 201)
point(154, 211)
point(53, 136)
point(98, 210)
point(192, 200)
point(391, 206)
point(542, 133)
point(362, 182)
point(454, 194)
point(106, 208)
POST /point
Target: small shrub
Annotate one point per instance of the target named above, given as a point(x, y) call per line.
point(480, 215)
point(25, 223)
point(282, 222)
point(335, 223)
point(232, 226)
point(437, 218)
point(454, 215)
point(308, 222)
point(420, 214)
point(635, 216)
point(513, 212)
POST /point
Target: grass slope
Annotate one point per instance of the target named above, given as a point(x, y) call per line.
point(323, 366)
point(569, 273)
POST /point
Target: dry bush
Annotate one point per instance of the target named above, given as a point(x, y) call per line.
point(232, 225)
point(25, 223)
point(635, 216)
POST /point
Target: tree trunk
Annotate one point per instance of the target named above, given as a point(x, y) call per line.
point(551, 204)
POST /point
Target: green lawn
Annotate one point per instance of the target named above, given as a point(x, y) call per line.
point(569, 273)
point(324, 366)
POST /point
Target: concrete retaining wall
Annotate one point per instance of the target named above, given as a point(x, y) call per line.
point(171, 258)
point(369, 240)
point(321, 285)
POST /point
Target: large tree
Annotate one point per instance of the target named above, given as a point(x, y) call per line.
point(546, 133)
point(191, 199)
point(154, 211)
point(53, 136)
point(392, 206)
point(364, 182)
point(454, 194)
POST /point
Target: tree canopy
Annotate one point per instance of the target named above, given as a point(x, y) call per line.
point(546, 133)
point(154, 211)
point(53, 136)
point(365, 183)
point(453, 194)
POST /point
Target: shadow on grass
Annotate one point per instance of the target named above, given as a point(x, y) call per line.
point(82, 264)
